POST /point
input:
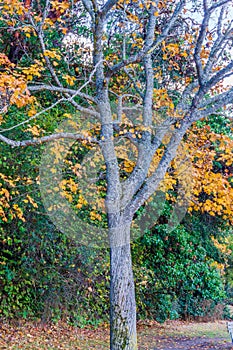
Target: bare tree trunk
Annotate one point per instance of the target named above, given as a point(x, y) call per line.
point(123, 334)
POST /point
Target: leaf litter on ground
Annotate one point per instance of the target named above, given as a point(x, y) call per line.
point(172, 335)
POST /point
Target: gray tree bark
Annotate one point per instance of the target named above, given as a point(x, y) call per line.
point(123, 334)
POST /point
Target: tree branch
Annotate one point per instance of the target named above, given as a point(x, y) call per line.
point(149, 72)
point(134, 181)
point(104, 108)
point(151, 184)
point(131, 185)
point(38, 141)
point(219, 4)
point(146, 50)
point(108, 6)
point(88, 6)
point(199, 45)
point(39, 31)
point(134, 82)
point(186, 97)
point(34, 116)
point(218, 47)
point(121, 108)
point(219, 76)
point(63, 90)
point(214, 105)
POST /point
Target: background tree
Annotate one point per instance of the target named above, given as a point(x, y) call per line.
point(174, 79)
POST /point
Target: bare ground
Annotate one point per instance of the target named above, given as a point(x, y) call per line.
point(172, 335)
point(176, 335)
point(190, 344)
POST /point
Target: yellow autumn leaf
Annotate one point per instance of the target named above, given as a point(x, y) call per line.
point(70, 80)
point(34, 130)
point(32, 202)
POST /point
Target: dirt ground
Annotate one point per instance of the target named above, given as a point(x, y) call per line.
point(191, 344)
point(176, 335)
point(172, 335)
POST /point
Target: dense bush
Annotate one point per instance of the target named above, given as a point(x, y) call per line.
point(177, 276)
point(45, 274)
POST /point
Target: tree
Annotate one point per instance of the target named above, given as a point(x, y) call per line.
point(166, 60)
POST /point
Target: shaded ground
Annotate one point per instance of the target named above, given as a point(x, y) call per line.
point(172, 335)
point(187, 336)
point(191, 344)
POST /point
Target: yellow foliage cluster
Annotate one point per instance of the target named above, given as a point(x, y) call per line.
point(52, 54)
point(68, 188)
point(95, 216)
point(138, 42)
point(213, 191)
point(219, 266)
point(14, 89)
point(11, 7)
point(170, 50)
point(204, 53)
point(4, 202)
point(33, 71)
point(180, 175)
point(128, 165)
point(18, 213)
point(162, 99)
point(28, 31)
point(13, 86)
point(60, 6)
point(81, 202)
point(7, 189)
point(35, 129)
point(69, 79)
point(4, 61)
point(223, 246)
point(30, 200)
